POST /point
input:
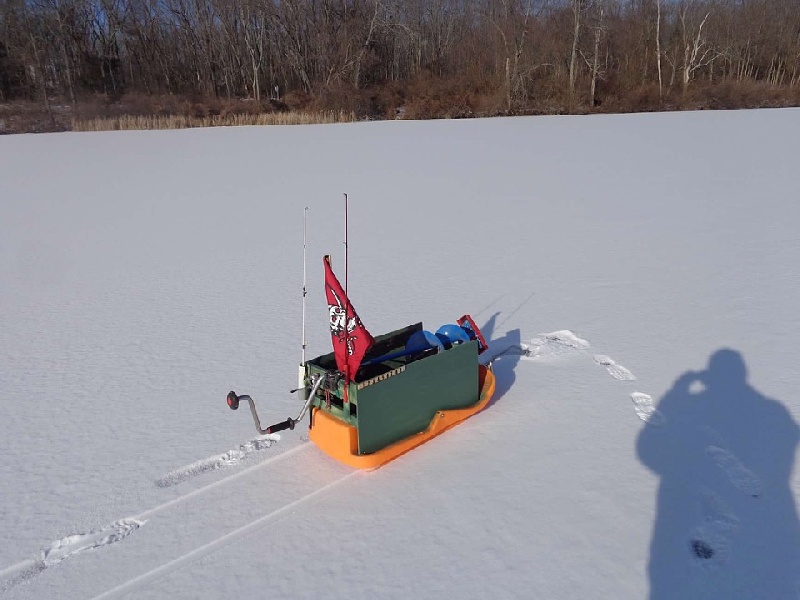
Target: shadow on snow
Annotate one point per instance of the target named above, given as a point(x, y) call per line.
point(726, 523)
point(504, 354)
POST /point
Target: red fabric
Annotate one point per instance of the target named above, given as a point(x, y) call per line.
point(350, 338)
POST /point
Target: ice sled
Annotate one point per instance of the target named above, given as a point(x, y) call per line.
point(411, 386)
point(405, 393)
point(373, 399)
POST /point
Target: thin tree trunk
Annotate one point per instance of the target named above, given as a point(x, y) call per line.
point(596, 59)
point(577, 6)
point(658, 50)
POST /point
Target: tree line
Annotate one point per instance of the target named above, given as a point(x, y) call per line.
point(377, 56)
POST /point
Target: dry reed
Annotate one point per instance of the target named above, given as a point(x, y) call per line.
point(127, 122)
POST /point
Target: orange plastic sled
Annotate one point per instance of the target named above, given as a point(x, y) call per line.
point(340, 440)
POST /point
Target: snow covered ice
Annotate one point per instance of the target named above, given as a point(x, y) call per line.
point(646, 447)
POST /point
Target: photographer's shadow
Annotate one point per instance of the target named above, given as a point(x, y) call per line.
point(726, 523)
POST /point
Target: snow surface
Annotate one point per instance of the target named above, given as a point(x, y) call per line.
point(637, 276)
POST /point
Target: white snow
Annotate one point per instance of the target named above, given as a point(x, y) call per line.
point(143, 275)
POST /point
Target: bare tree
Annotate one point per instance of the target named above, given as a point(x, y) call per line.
point(594, 63)
point(658, 50)
point(578, 7)
point(511, 23)
point(696, 51)
point(366, 45)
point(254, 27)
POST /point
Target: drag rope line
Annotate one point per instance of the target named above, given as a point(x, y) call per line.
point(149, 513)
point(70, 545)
point(218, 543)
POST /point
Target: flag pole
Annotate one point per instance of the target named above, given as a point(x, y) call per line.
point(348, 308)
point(301, 374)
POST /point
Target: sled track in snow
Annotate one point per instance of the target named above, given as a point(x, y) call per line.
point(66, 547)
point(220, 542)
point(149, 513)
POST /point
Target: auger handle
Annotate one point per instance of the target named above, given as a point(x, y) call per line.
point(233, 400)
point(287, 424)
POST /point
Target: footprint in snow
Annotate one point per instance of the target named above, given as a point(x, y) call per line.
point(710, 542)
point(220, 461)
point(740, 476)
point(643, 406)
point(73, 544)
point(564, 344)
point(65, 547)
point(554, 346)
point(615, 370)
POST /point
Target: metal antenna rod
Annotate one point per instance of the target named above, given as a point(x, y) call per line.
point(301, 374)
point(348, 308)
point(305, 229)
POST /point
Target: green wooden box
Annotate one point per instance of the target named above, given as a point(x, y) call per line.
point(393, 399)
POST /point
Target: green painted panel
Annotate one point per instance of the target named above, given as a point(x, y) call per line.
point(321, 365)
point(404, 404)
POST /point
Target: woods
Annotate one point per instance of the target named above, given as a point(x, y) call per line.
point(410, 58)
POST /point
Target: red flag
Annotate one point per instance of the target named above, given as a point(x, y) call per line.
point(350, 338)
